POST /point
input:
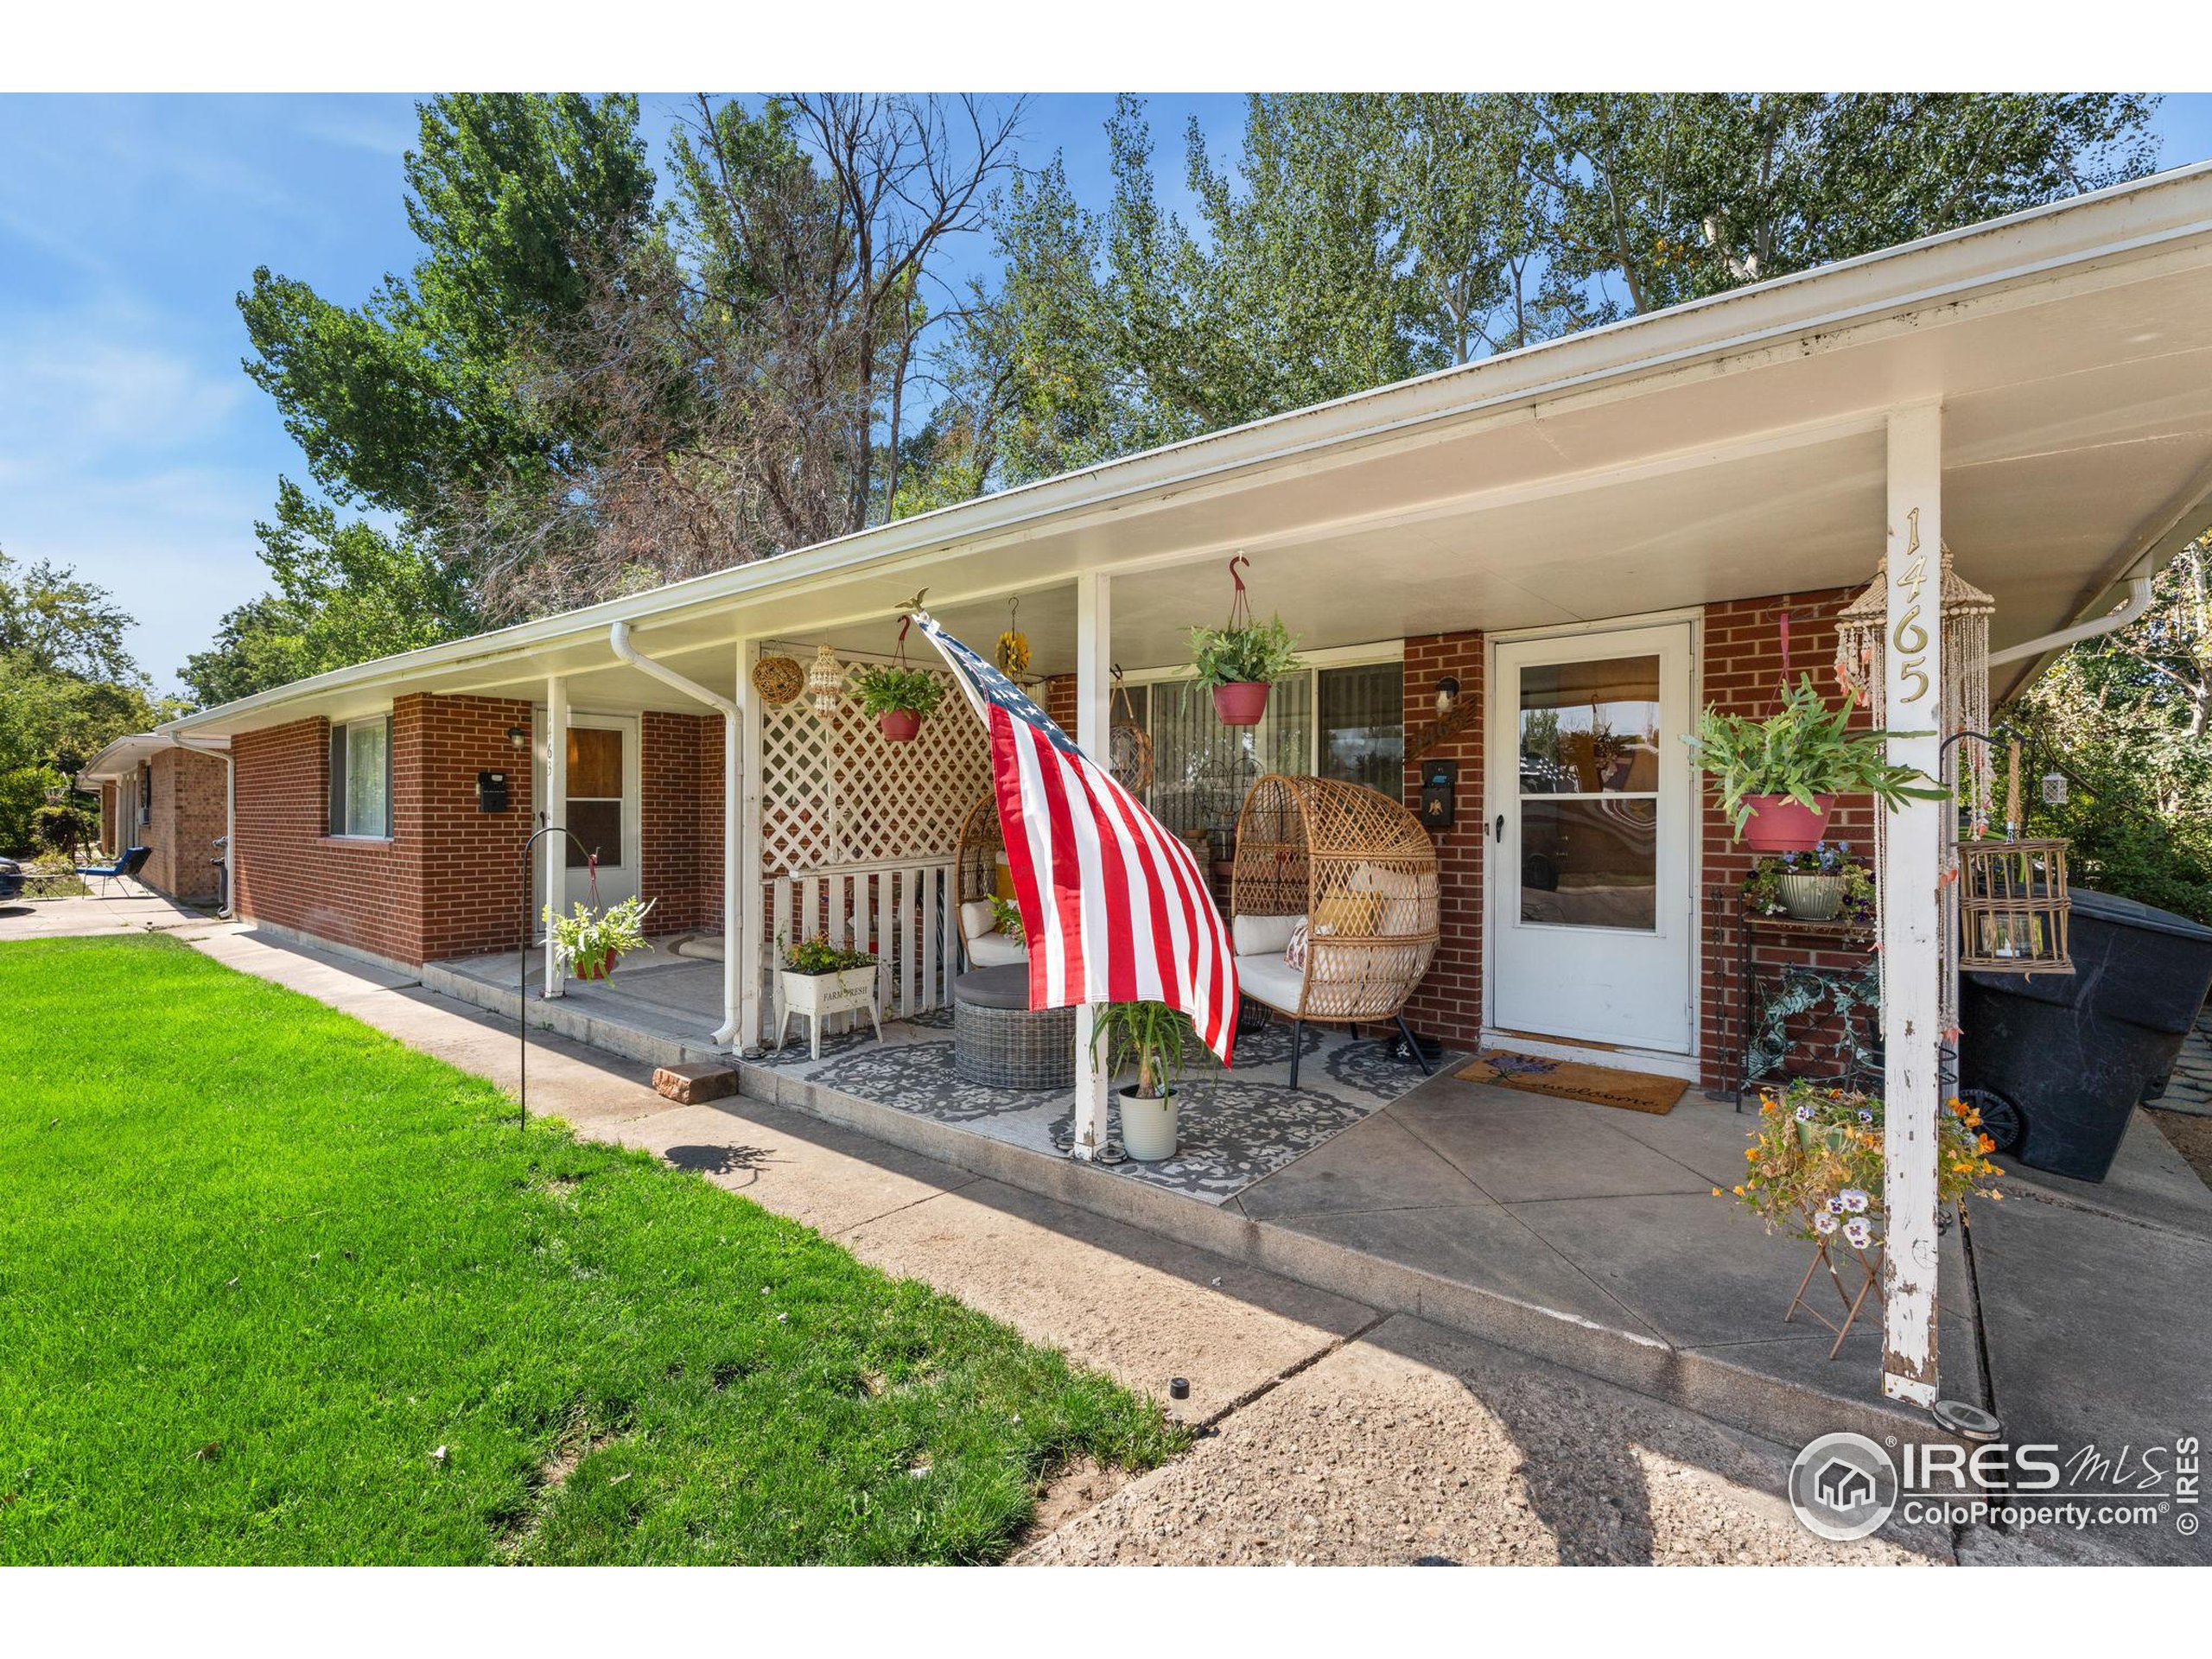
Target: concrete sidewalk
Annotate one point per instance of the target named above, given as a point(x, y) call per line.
point(1333, 1432)
point(133, 909)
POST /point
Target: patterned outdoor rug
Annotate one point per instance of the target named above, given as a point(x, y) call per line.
point(1634, 1091)
point(1236, 1127)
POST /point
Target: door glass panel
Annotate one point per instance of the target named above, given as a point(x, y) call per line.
point(598, 825)
point(1590, 863)
point(595, 763)
point(1590, 728)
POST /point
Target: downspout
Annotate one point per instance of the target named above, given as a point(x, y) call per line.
point(2139, 600)
point(618, 641)
point(209, 746)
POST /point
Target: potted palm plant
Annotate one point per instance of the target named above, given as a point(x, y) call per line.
point(592, 941)
point(1237, 664)
point(1779, 776)
point(1149, 1036)
point(900, 698)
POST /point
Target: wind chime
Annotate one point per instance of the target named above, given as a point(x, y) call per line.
point(1968, 767)
point(1013, 654)
point(1130, 760)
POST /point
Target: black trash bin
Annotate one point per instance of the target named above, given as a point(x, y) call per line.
point(2068, 1057)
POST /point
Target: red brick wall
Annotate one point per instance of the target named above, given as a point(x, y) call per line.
point(108, 829)
point(1059, 701)
point(449, 880)
point(681, 821)
point(187, 803)
point(1744, 675)
point(1449, 1002)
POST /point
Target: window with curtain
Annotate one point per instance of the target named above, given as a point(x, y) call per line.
point(360, 779)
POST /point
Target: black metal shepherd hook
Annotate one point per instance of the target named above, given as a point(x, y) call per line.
point(522, 968)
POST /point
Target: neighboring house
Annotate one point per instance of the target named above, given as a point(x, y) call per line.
point(1599, 531)
point(170, 800)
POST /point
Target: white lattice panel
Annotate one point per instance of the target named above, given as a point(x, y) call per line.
point(837, 793)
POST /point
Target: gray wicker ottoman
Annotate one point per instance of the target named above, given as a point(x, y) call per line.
point(999, 1043)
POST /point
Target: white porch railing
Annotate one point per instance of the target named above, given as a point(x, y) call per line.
point(906, 913)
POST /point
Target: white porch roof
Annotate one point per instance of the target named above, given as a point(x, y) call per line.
point(1722, 449)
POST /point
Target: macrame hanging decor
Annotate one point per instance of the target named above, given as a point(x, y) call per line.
point(825, 682)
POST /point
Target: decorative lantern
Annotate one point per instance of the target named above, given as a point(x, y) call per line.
point(2012, 902)
point(825, 682)
point(777, 679)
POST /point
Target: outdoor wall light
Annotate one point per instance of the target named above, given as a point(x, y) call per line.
point(518, 738)
point(1447, 696)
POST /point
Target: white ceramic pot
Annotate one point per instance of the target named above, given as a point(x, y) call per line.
point(1811, 896)
point(1148, 1126)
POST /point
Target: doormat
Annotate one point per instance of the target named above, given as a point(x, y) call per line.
point(1633, 1091)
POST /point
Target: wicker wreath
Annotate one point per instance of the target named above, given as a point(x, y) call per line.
point(778, 679)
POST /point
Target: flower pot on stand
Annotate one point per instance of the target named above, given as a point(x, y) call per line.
point(1243, 703)
point(1811, 895)
point(1779, 823)
point(1148, 1125)
point(900, 725)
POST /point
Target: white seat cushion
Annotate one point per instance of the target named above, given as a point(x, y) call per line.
point(1267, 978)
point(977, 918)
point(996, 951)
point(1256, 936)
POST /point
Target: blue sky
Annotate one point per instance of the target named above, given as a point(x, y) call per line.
point(132, 444)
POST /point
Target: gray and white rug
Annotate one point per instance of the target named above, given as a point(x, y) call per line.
point(1236, 1127)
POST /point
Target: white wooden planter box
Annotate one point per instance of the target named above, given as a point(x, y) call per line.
point(818, 996)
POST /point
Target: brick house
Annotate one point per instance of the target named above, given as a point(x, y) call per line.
point(172, 800)
point(1598, 535)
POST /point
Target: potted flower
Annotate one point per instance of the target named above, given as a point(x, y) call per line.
point(818, 979)
point(1779, 776)
point(1815, 886)
point(900, 698)
point(1151, 1037)
point(592, 941)
point(1814, 1168)
point(1238, 663)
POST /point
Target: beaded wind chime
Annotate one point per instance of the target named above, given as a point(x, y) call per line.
point(1968, 768)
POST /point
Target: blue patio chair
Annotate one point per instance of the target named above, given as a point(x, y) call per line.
point(132, 860)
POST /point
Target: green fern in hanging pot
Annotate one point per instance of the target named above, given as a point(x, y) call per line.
point(900, 698)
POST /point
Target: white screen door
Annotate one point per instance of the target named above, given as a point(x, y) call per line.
point(602, 806)
point(1592, 805)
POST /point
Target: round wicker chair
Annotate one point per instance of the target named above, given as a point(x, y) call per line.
point(1358, 870)
point(976, 883)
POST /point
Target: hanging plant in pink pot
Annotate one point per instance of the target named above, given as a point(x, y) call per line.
point(1238, 663)
point(1779, 776)
point(900, 698)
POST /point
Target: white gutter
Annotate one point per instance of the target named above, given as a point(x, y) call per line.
point(618, 641)
point(2139, 600)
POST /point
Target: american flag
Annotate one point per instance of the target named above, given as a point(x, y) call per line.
point(1115, 907)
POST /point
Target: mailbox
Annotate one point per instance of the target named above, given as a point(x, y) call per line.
point(1439, 783)
point(491, 791)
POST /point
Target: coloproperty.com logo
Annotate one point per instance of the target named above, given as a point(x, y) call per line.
point(1845, 1486)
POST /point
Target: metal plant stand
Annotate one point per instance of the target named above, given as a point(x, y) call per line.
point(1863, 1265)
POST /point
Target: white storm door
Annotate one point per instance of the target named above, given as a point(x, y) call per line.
point(1593, 811)
point(602, 806)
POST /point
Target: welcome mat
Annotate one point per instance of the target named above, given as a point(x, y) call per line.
point(1634, 1091)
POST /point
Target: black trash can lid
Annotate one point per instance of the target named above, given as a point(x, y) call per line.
point(2129, 913)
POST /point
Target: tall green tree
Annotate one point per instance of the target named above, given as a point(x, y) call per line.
point(397, 399)
point(346, 592)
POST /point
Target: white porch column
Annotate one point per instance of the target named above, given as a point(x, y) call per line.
point(1094, 719)
point(1912, 908)
point(556, 815)
point(740, 847)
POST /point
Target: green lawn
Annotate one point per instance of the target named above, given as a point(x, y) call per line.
point(259, 1262)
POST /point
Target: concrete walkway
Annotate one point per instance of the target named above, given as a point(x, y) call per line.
point(1336, 1433)
point(133, 909)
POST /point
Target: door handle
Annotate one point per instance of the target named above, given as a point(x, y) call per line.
point(1498, 832)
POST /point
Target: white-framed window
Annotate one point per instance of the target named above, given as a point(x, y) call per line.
point(1344, 717)
point(361, 778)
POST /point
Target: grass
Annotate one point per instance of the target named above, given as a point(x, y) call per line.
point(258, 1263)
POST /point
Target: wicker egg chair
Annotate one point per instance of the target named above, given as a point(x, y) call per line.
point(1359, 870)
point(975, 882)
